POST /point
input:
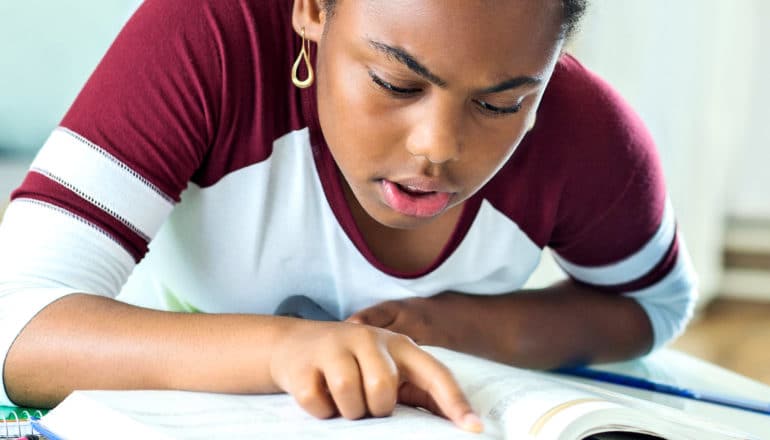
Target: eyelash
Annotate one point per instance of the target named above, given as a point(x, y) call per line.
point(484, 107)
point(497, 111)
point(398, 92)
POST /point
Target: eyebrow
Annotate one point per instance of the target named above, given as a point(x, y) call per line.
point(513, 83)
point(411, 62)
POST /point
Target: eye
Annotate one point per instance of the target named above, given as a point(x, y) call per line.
point(492, 110)
point(399, 92)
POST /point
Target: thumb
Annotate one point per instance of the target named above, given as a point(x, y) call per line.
point(380, 315)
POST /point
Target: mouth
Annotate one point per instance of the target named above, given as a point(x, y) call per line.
point(416, 197)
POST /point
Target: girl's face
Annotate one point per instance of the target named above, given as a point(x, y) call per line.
point(422, 101)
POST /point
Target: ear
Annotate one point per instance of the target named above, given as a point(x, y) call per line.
point(309, 14)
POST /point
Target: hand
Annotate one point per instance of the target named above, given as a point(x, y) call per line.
point(355, 370)
point(428, 321)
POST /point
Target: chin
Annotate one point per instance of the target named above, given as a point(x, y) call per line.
point(405, 222)
point(396, 220)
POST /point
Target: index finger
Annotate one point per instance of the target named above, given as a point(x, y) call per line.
point(427, 373)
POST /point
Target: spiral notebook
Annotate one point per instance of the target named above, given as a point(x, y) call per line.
point(16, 422)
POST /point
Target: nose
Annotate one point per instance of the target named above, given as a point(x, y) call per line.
point(437, 135)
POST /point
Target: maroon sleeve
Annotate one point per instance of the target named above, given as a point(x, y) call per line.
point(155, 99)
point(613, 196)
point(189, 91)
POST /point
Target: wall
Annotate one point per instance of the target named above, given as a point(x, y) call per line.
point(49, 48)
point(688, 67)
point(749, 188)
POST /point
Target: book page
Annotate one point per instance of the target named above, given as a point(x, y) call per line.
point(530, 403)
point(188, 415)
point(513, 403)
point(518, 400)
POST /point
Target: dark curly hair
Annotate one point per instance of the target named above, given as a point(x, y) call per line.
point(573, 12)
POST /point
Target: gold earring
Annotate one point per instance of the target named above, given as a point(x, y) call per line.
point(303, 55)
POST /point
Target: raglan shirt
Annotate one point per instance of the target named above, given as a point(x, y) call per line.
point(191, 136)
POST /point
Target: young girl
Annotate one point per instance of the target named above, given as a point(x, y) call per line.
point(403, 163)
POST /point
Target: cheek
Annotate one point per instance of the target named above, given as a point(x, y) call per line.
point(491, 144)
point(366, 112)
point(356, 120)
point(497, 137)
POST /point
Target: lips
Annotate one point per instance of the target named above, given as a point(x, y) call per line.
point(416, 197)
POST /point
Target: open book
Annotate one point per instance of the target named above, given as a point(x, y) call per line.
point(514, 404)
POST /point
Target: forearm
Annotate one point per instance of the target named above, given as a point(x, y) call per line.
point(88, 342)
point(559, 325)
point(85, 341)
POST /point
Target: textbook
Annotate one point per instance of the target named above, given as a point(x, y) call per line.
point(513, 403)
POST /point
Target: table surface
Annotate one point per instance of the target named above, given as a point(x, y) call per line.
point(679, 369)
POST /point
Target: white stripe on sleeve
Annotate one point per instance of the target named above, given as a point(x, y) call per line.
point(103, 180)
point(670, 302)
point(633, 266)
point(45, 254)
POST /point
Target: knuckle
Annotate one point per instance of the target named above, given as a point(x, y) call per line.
point(306, 397)
point(366, 335)
point(341, 385)
point(382, 384)
point(323, 412)
point(359, 331)
point(383, 410)
point(354, 413)
point(403, 339)
point(443, 374)
point(382, 395)
point(314, 403)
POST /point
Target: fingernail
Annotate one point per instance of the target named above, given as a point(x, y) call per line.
point(471, 422)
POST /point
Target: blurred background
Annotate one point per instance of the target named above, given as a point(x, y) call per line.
point(696, 71)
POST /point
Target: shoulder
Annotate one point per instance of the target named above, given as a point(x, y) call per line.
point(201, 83)
point(584, 130)
point(588, 155)
point(612, 184)
point(599, 141)
point(580, 108)
point(217, 23)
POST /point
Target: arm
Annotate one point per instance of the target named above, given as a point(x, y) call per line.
point(562, 324)
point(86, 341)
point(56, 339)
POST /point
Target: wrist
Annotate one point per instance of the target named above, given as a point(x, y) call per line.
point(281, 350)
point(463, 321)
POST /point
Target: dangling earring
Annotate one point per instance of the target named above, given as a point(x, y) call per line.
point(303, 55)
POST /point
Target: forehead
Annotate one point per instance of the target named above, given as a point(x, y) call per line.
point(484, 39)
